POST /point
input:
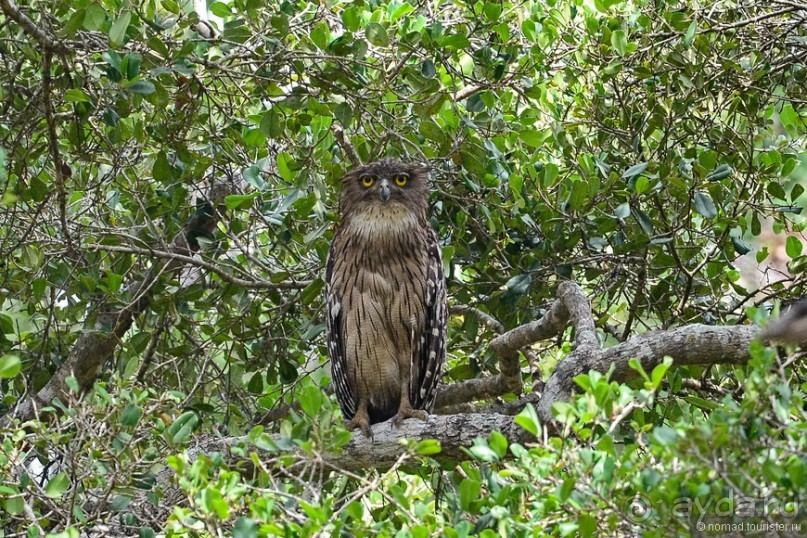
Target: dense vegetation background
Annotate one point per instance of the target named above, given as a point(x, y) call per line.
point(168, 187)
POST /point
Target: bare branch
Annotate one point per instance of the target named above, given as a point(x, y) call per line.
point(346, 145)
point(47, 42)
point(692, 344)
point(213, 268)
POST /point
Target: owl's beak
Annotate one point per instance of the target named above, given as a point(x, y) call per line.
point(384, 193)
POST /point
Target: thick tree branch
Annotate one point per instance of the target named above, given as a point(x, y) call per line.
point(506, 346)
point(693, 344)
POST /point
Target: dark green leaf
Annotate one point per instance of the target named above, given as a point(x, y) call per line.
point(704, 205)
point(141, 87)
point(740, 246)
point(130, 416)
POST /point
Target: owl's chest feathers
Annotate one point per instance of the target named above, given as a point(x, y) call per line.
point(384, 250)
point(383, 227)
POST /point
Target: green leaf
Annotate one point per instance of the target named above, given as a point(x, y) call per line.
point(645, 223)
point(72, 384)
point(240, 201)
point(532, 138)
point(796, 191)
point(690, 35)
point(351, 18)
point(642, 185)
point(793, 246)
point(94, 17)
point(376, 34)
point(10, 366)
point(721, 172)
point(528, 419)
point(113, 281)
point(619, 41)
point(634, 170)
point(141, 87)
point(312, 292)
point(131, 415)
point(578, 194)
point(428, 447)
point(519, 284)
point(284, 166)
point(311, 401)
point(665, 435)
point(587, 526)
point(704, 205)
point(404, 8)
point(57, 486)
point(74, 95)
point(788, 166)
point(14, 505)
point(161, 170)
point(469, 492)
point(245, 528)
point(288, 372)
point(344, 114)
point(636, 365)
point(321, 35)
point(484, 452)
point(498, 443)
point(740, 246)
point(657, 376)
point(427, 69)
point(181, 428)
point(117, 33)
point(220, 9)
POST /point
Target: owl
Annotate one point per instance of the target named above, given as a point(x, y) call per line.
point(386, 297)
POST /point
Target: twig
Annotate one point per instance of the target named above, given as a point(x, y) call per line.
point(346, 146)
point(60, 170)
point(47, 42)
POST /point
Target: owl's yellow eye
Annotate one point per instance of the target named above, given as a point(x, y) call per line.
point(401, 180)
point(367, 181)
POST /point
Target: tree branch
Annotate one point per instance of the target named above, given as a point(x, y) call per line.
point(346, 145)
point(47, 42)
point(101, 336)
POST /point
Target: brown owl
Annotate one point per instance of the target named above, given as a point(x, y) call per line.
point(386, 297)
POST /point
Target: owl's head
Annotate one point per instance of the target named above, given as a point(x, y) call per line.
point(386, 184)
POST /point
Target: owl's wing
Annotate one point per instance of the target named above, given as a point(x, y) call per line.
point(432, 350)
point(334, 336)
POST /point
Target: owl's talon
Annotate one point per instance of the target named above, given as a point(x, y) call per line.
point(362, 422)
point(407, 412)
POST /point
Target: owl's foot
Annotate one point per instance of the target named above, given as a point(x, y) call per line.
point(360, 420)
point(405, 411)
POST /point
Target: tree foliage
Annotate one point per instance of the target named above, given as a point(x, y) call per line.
point(169, 186)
